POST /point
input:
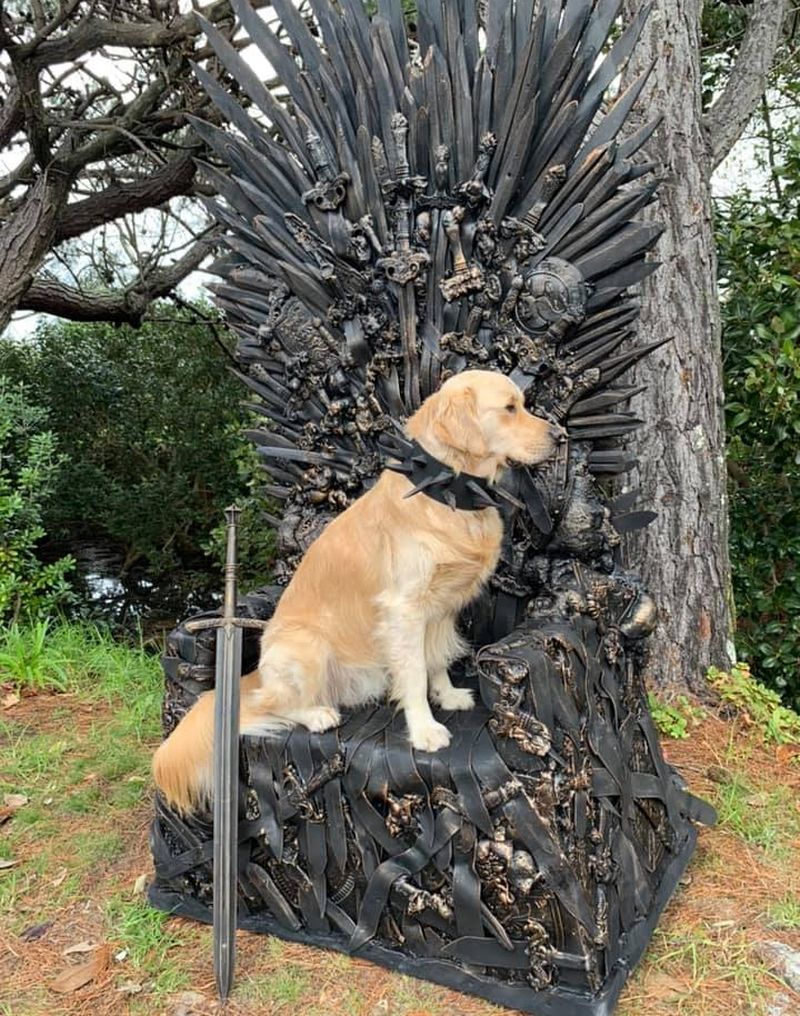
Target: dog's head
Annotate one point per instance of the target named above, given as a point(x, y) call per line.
point(477, 423)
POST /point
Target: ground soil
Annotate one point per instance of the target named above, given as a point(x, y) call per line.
point(742, 887)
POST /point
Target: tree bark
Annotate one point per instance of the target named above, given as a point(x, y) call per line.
point(683, 555)
point(27, 236)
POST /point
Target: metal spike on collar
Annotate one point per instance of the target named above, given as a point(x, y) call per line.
point(482, 495)
point(431, 481)
point(513, 501)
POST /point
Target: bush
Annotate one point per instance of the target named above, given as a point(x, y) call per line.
point(151, 421)
point(30, 470)
point(759, 250)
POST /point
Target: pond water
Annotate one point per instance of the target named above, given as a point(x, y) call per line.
point(135, 601)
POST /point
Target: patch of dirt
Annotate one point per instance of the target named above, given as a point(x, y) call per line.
point(702, 959)
point(55, 712)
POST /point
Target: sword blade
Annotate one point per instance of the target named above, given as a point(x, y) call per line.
point(226, 776)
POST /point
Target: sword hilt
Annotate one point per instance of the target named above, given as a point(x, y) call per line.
point(228, 618)
point(229, 603)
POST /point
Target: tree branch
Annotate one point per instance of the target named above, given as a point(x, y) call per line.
point(49, 296)
point(174, 178)
point(12, 118)
point(31, 106)
point(728, 117)
point(23, 173)
point(92, 33)
point(72, 159)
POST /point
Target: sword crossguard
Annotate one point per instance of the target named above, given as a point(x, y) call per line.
point(222, 622)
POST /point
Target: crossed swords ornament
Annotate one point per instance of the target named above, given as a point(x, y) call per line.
point(226, 761)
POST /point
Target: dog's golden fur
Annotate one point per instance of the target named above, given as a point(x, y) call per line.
point(372, 607)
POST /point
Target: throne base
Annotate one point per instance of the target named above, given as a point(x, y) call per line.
point(527, 863)
point(553, 1002)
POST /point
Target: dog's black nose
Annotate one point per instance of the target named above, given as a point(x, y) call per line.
point(558, 434)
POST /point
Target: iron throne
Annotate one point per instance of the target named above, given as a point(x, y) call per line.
point(429, 195)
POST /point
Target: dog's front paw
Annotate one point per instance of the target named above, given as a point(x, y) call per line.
point(320, 718)
point(430, 737)
point(455, 698)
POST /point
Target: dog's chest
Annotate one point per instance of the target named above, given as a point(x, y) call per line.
point(458, 578)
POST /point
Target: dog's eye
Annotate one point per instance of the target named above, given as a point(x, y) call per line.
point(511, 407)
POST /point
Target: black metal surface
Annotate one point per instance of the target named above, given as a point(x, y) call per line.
point(457, 199)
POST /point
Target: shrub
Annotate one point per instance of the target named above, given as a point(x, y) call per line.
point(30, 468)
point(151, 421)
point(759, 250)
point(761, 705)
point(675, 719)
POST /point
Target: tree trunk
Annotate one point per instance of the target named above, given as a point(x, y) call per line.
point(26, 236)
point(683, 555)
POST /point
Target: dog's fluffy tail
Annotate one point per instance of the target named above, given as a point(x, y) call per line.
point(182, 765)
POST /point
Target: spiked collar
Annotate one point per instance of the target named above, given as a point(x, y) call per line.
point(438, 481)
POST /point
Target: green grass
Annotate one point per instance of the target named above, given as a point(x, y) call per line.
point(30, 658)
point(13, 884)
point(74, 768)
point(16, 882)
point(412, 995)
point(85, 661)
point(38, 1000)
point(28, 756)
point(764, 817)
point(698, 958)
point(285, 987)
point(785, 914)
point(149, 942)
point(80, 658)
point(98, 847)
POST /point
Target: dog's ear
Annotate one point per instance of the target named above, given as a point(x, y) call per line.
point(456, 422)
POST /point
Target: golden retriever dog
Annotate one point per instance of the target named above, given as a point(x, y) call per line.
point(372, 607)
